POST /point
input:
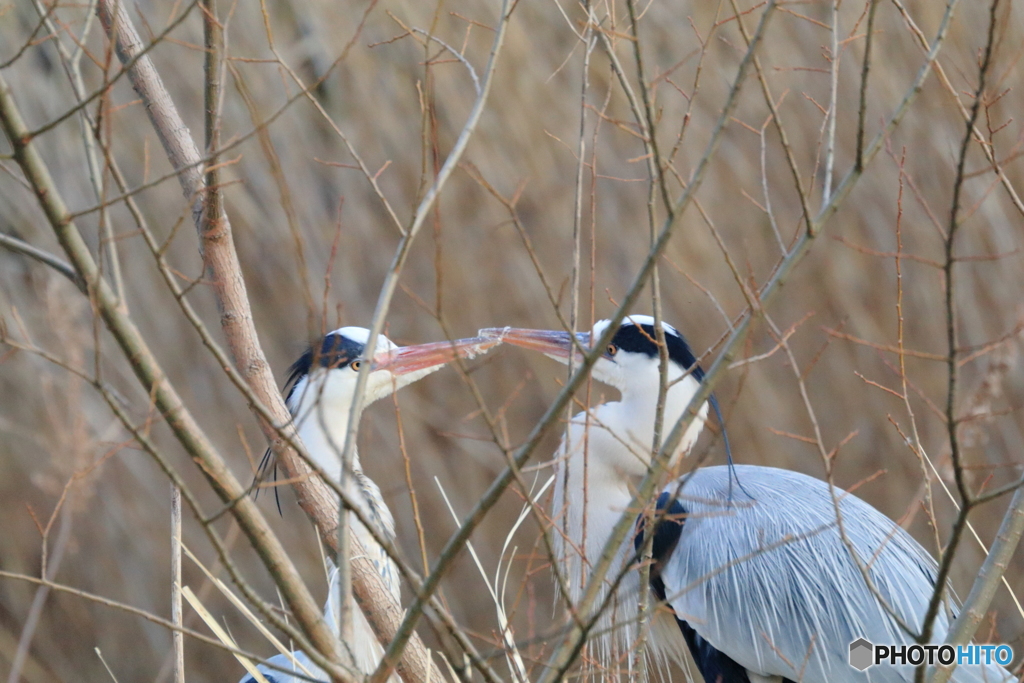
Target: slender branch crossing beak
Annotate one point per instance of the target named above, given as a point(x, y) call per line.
point(549, 342)
point(423, 356)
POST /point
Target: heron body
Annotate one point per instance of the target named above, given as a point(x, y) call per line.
point(763, 580)
point(322, 389)
point(759, 584)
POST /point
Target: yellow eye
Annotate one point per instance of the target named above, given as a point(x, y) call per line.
point(612, 349)
point(355, 365)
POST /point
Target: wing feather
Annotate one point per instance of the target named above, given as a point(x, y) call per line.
point(768, 580)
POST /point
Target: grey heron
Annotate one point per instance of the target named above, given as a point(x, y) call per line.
point(321, 387)
point(759, 583)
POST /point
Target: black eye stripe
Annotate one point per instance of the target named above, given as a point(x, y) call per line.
point(336, 351)
point(640, 339)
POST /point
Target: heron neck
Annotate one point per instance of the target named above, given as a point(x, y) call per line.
point(322, 424)
point(605, 460)
point(638, 409)
point(591, 493)
point(589, 499)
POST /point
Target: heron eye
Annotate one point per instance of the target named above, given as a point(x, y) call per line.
point(612, 349)
point(355, 365)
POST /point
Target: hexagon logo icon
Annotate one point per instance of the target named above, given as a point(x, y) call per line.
point(861, 654)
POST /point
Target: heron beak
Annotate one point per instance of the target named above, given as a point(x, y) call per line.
point(552, 343)
point(425, 356)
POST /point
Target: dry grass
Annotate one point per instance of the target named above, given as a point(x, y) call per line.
point(289, 197)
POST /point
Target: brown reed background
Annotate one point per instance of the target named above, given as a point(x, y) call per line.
point(471, 265)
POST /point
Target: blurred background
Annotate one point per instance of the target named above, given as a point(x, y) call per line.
point(315, 243)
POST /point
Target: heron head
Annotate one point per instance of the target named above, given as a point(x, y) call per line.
point(630, 361)
point(331, 368)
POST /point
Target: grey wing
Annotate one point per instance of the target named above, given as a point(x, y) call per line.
point(770, 583)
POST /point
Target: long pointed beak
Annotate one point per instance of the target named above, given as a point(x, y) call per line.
point(553, 343)
point(424, 356)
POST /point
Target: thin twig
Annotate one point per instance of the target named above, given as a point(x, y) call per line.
point(63, 267)
point(830, 139)
point(455, 53)
point(72, 64)
point(658, 184)
point(135, 611)
point(126, 66)
point(30, 41)
point(862, 110)
point(976, 605)
point(777, 120)
point(176, 614)
point(986, 147)
point(952, 367)
point(35, 610)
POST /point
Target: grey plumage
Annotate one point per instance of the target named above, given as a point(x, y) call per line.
point(770, 582)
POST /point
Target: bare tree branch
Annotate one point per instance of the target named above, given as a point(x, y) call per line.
point(221, 259)
point(21, 247)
